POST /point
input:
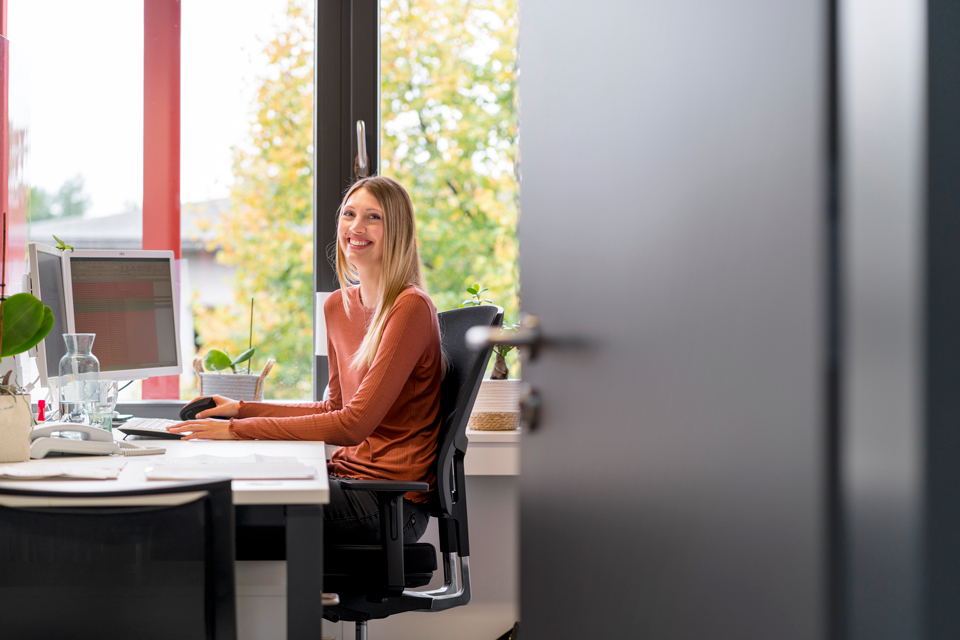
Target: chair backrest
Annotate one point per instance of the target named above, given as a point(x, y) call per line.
point(465, 368)
point(116, 564)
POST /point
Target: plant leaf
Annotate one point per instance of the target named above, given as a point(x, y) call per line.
point(216, 360)
point(45, 327)
point(61, 245)
point(468, 303)
point(23, 319)
point(243, 357)
point(473, 289)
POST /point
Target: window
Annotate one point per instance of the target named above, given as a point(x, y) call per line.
point(247, 182)
point(449, 135)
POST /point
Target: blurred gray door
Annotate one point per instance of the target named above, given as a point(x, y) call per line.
point(674, 218)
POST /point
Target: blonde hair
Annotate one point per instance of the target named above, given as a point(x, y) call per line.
point(400, 265)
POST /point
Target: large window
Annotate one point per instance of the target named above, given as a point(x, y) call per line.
point(85, 73)
point(247, 181)
point(449, 135)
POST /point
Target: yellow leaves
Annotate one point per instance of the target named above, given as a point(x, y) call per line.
point(267, 234)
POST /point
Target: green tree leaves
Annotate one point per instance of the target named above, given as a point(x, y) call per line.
point(268, 232)
point(448, 105)
point(69, 200)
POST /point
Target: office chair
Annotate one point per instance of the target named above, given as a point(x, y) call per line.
point(376, 581)
point(148, 563)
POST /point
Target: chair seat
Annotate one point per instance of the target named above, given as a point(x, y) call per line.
point(358, 568)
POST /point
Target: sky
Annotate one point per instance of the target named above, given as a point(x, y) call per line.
point(83, 63)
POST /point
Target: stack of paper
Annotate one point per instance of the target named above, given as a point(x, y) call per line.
point(47, 471)
point(252, 467)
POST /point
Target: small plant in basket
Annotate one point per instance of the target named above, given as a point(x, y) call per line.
point(496, 407)
point(217, 360)
point(500, 369)
point(241, 383)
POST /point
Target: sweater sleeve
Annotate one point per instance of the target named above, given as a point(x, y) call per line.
point(260, 409)
point(406, 335)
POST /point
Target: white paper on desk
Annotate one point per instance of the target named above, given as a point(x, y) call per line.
point(252, 467)
point(44, 472)
point(254, 458)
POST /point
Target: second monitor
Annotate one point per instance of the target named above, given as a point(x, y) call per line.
point(127, 299)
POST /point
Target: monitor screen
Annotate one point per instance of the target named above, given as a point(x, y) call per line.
point(47, 273)
point(129, 303)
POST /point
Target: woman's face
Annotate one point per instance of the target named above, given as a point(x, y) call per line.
point(361, 230)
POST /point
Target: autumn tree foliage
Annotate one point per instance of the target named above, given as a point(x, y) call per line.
point(268, 232)
point(449, 135)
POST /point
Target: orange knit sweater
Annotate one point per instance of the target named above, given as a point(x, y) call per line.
point(382, 417)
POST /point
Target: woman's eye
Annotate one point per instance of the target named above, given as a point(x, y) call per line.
point(348, 214)
point(375, 216)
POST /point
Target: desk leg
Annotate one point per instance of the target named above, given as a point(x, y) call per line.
point(304, 571)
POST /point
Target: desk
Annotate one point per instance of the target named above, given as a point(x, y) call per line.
point(296, 503)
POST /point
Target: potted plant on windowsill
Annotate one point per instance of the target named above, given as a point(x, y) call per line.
point(24, 322)
point(218, 374)
point(497, 407)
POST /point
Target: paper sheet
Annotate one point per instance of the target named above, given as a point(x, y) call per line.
point(47, 471)
point(252, 467)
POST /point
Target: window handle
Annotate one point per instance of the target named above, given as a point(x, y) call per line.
point(362, 165)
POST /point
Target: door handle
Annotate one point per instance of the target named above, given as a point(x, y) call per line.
point(362, 164)
point(528, 335)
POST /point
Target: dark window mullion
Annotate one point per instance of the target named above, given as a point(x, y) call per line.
point(347, 89)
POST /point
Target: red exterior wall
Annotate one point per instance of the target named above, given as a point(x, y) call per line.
point(161, 145)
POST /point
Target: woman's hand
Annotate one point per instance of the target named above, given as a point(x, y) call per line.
point(210, 429)
point(226, 408)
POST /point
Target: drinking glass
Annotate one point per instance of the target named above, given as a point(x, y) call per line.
point(102, 415)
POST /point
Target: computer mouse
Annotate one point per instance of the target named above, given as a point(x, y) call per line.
point(194, 407)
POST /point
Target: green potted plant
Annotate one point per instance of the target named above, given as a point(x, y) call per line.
point(218, 374)
point(497, 407)
point(24, 322)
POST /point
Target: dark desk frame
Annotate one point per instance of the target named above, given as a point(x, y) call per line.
point(293, 533)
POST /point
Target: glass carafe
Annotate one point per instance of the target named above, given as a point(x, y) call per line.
point(79, 379)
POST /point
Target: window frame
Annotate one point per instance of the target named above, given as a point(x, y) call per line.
point(346, 89)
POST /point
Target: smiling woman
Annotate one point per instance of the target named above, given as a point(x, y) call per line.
point(385, 362)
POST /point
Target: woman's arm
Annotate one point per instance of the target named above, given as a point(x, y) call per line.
point(406, 335)
point(255, 409)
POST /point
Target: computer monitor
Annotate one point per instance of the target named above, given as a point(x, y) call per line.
point(127, 299)
point(47, 283)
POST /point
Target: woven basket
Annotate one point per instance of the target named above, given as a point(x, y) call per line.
point(497, 407)
point(236, 386)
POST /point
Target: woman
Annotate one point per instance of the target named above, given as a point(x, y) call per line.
point(383, 342)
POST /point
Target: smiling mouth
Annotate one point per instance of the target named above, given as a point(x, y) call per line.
point(353, 242)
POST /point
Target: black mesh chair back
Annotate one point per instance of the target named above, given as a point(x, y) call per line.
point(457, 394)
point(150, 563)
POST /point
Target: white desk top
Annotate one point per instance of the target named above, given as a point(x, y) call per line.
point(284, 492)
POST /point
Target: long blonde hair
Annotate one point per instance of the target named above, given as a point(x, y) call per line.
point(401, 265)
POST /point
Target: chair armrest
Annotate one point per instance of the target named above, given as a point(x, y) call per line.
point(390, 503)
point(399, 486)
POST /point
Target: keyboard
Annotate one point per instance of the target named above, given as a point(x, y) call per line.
point(149, 427)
